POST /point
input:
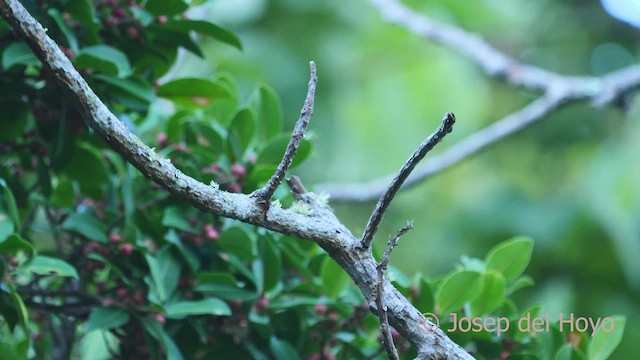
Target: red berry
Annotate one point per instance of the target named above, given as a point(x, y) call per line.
point(108, 302)
point(126, 249)
point(91, 247)
point(122, 293)
point(119, 12)
point(115, 238)
point(262, 303)
point(235, 188)
point(321, 309)
point(133, 33)
point(238, 171)
point(211, 233)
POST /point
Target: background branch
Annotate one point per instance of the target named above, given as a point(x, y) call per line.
point(558, 90)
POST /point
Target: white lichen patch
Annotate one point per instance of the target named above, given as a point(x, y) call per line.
point(276, 203)
point(214, 185)
point(323, 198)
point(301, 208)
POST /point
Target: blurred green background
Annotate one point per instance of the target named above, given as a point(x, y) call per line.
point(572, 181)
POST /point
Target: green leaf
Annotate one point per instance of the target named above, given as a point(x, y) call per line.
point(21, 311)
point(103, 58)
point(457, 289)
point(334, 278)
point(519, 283)
point(14, 243)
point(175, 217)
point(274, 151)
point(96, 344)
point(166, 7)
point(64, 27)
point(226, 291)
point(193, 91)
point(210, 306)
point(87, 167)
point(207, 28)
point(44, 265)
point(272, 264)
point(567, 352)
point(139, 90)
point(10, 203)
point(6, 226)
point(493, 292)
point(241, 132)
point(18, 53)
point(165, 272)
point(104, 318)
point(237, 241)
point(282, 350)
point(203, 134)
point(87, 225)
point(268, 108)
point(511, 257)
point(607, 338)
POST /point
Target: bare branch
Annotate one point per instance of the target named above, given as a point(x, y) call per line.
point(321, 226)
point(267, 191)
point(387, 339)
point(382, 205)
point(558, 89)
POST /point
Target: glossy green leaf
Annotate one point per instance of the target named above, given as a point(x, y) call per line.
point(271, 260)
point(6, 226)
point(241, 132)
point(87, 167)
point(567, 352)
point(95, 344)
point(45, 265)
point(607, 338)
point(205, 135)
point(493, 293)
point(9, 202)
point(282, 350)
point(193, 91)
point(274, 151)
point(20, 311)
point(457, 289)
point(519, 283)
point(137, 89)
point(511, 257)
point(87, 225)
point(165, 272)
point(64, 28)
point(334, 278)
point(237, 241)
point(226, 291)
point(174, 217)
point(210, 306)
point(104, 318)
point(268, 108)
point(14, 243)
point(18, 53)
point(207, 28)
point(103, 58)
point(166, 7)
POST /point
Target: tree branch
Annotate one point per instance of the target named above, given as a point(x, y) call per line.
point(558, 90)
point(320, 226)
point(387, 339)
point(382, 205)
point(267, 191)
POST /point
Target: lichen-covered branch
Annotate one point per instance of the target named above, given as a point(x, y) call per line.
point(558, 90)
point(320, 225)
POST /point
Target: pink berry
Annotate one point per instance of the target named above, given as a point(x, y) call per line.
point(235, 188)
point(161, 140)
point(160, 318)
point(115, 238)
point(162, 19)
point(238, 171)
point(211, 233)
point(133, 33)
point(119, 12)
point(126, 249)
point(108, 302)
point(122, 293)
point(262, 303)
point(321, 309)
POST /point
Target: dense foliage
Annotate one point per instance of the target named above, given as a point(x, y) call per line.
point(98, 262)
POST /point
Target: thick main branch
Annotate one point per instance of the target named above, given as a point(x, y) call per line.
point(320, 225)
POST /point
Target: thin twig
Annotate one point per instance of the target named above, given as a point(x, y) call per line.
point(382, 205)
point(387, 339)
point(267, 191)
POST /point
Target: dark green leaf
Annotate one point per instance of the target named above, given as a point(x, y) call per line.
point(241, 133)
point(139, 90)
point(103, 58)
point(87, 167)
point(165, 272)
point(174, 217)
point(166, 7)
point(237, 241)
point(193, 91)
point(334, 278)
point(210, 306)
point(272, 262)
point(64, 27)
point(10, 203)
point(18, 53)
point(457, 289)
point(207, 28)
point(44, 265)
point(282, 350)
point(104, 318)
point(272, 153)
point(87, 225)
point(14, 243)
point(268, 108)
point(510, 257)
